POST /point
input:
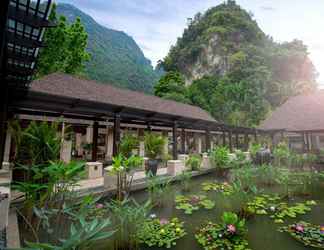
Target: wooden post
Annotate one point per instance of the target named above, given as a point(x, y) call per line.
point(303, 140)
point(230, 140)
point(183, 141)
point(116, 134)
point(246, 141)
point(174, 141)
point(237, 140)
point(95, 141)
point(207, 135)
point(255, 136)
point(224, 138)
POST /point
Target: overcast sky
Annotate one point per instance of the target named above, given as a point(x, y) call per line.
point(156, 24)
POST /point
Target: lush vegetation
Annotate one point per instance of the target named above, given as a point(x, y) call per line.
point(65, 49)
point(308, 234)
point(115, 56)
point(229, 234)
point(161, 232)
point(237, 73)
point(193, 203)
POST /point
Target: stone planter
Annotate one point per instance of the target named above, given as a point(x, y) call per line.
point(175, 167)
point(110, 179)
point(4, 207)
point(94, 170)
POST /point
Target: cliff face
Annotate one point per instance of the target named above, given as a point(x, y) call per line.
point(210, 41)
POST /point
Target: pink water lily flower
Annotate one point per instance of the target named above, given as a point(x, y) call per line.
point(194, 200)
point(99, 206)
point(231, 229)
point(299, 228)
point(164, 221)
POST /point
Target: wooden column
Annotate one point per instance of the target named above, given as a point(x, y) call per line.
point(230, 140)
point(183, 141)
point(207, 135)
point(237, 140)
point(224, 138)
point(116, 134)
point(246, 141)
point(255, 136)
point(3, 119)
point(95, 132)
point(174, 141)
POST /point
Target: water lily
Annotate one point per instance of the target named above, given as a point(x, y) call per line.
point(231, 229)
point(164, 221)
point(194, 200)
point(220, 236)
point(152, 216)
point(299, 228)
point(162, 231)
point(272, 208)
point(99, 206)
point(178, 229)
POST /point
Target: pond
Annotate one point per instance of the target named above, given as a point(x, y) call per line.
point(262, 231)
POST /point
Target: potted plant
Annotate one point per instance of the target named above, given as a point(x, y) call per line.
point(221, 160)
point(194, 162)
point(153, 148)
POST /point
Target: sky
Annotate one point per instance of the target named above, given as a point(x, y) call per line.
point(156, 24)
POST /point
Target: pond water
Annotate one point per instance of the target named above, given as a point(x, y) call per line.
point(262, 231)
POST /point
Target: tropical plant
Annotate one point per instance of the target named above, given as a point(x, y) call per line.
point(194, 162)
point(239, 160)
point(123, 168)
point(158, 189)
point(229, 234)
point(161, 232)
point(128, 143)
point(308, 234)
point(220, 157)
point(83, 235)
point(254, 148)
point(128, 218)
point(281, 154)
point(193, 203)
point(185, 178)
point(153, 145)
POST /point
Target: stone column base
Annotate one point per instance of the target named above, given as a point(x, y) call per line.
point(94, 170)
point(175, 167)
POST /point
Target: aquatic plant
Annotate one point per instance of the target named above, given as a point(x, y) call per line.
point(184, 179)
point(161, 232)
point(193, 203)
point(229, 234)
point(223, 188)
point(158, 189)
point(277, 210)
point(128, 217)
point(308, 234)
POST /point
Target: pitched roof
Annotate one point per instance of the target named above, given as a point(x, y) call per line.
point(75, 87)
point(298, 113)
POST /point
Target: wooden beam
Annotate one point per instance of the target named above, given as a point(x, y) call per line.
point(95, 132)
point(174, 141)
point(116, 134)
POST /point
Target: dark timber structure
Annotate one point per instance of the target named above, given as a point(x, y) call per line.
point(61, 95)
point(22, 25)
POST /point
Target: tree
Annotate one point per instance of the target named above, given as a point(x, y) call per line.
point(65, 49)
point(172, 86)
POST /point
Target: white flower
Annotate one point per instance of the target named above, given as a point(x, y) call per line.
point(273, 208)
point(152, 216)
point(220, 236)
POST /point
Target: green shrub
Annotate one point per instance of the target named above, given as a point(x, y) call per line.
point(194, 162)
point(220, 157)
point(154, 145)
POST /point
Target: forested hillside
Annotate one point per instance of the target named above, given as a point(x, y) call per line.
point(115, 56)
point(227, 65)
